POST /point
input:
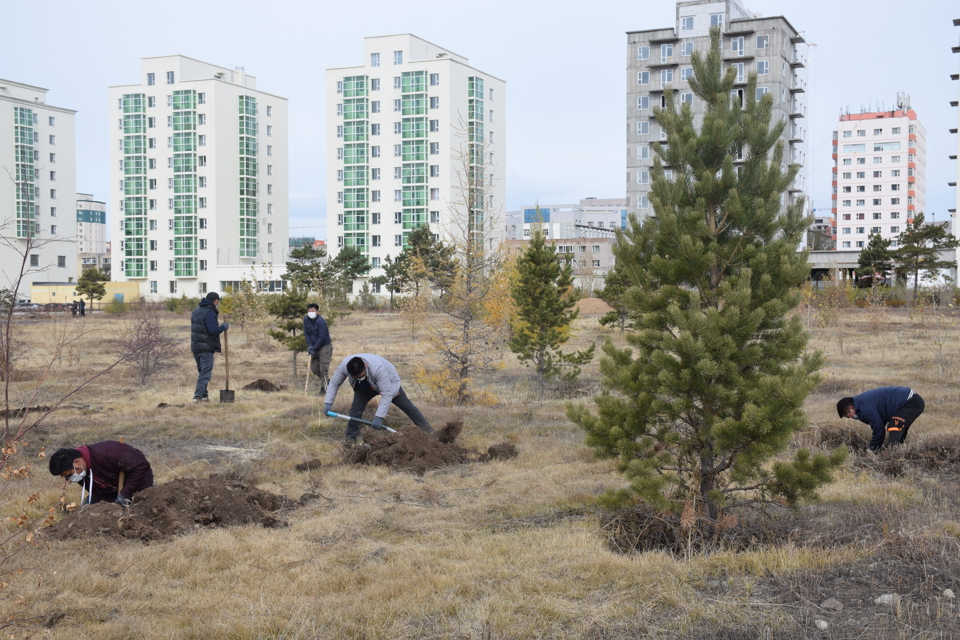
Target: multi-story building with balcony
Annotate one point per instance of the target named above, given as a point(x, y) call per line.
point(879, 174)
point(416, 137)
point(199, 168)
point(659, 62)
point(37, 188)
point(92, 250)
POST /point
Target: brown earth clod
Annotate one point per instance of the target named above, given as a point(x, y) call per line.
point(309, 465)
point(177, 507)
point(262, 385)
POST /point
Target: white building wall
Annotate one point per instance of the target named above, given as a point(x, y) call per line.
point(447, 129)
point(91, 234)
point(880, 175)
point(52, 253)
point(222, 258)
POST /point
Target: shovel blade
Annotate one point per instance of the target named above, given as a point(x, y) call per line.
point(227, 395)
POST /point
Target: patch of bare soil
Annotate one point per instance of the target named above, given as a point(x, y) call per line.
point(178, 507)
point(16, 413)
point(261, 385)
point(309, 465)
point(410, 449)
point(593, 307)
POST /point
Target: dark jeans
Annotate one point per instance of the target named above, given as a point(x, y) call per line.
point(363, 396)
point(204, 371)
point(320, 364)
point(902, 419)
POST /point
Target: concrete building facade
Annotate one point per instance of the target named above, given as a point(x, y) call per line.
point(416, 137)
point(956, 144)
point(92, 252)
point(659, 61)
point(879, 175)
point(599, 215)
point(200, 179)
point(37, 187)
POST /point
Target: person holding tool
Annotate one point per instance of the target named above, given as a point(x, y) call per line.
point(888, 410)
point(106, 471)
point(371, 375)
point(205, 333)
point(319, 345)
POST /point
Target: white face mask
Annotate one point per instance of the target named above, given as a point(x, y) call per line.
point(77, 477)
point(311, 314)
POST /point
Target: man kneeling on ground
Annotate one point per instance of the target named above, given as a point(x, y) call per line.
point(371, 375)
point(97, 468)
point(888, 410)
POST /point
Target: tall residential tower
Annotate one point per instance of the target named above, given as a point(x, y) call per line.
point(879, 174)
point(659, 61)
point(38, 184)
point(199, 167)
point(416, 135)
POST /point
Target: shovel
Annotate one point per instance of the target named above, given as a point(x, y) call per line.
point(226, 395)
point(340, 415)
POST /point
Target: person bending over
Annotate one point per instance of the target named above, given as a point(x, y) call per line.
point(888, 410)
point(97, 468)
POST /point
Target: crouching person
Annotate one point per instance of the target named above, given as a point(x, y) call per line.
point(888, 410)
point(97, 469)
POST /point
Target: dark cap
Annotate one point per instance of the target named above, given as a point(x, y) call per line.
point(213, 295)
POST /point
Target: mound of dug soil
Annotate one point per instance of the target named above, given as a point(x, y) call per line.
point(410, 449)
point(180, 506)
point(261, 385)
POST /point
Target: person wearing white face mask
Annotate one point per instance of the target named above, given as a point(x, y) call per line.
point(97, 468)
point(319, 345)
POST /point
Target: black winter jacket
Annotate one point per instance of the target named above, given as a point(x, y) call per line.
point(205, 330)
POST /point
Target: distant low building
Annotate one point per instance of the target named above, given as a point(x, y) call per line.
point(92, 251)
point(600, 216)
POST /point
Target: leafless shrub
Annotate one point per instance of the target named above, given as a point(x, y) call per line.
point(154, 350)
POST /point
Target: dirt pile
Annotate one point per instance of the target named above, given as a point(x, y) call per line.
point(180, 506)
point(410, 449)
point(593, 307)
point(262, 385)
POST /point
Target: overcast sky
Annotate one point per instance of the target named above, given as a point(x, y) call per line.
point(563, 62)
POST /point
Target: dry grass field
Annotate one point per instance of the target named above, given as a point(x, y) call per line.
point(502, 550)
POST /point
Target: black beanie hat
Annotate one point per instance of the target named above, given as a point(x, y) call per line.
point(63, 460)
point(213, 295)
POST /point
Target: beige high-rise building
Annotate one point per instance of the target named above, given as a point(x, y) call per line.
point(411, 132)
point(199, 168)
point(659, 61)
point(879, 174)
point(37, 188)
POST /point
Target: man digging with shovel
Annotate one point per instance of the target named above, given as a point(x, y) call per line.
point(370, 375)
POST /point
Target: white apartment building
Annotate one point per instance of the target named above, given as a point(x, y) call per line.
point(92, 252)
point(591, 217)
point(37, 185)
point(955, 229)
point(659, 61)
point(879, 175)
point(413, 131)
point(200, 179)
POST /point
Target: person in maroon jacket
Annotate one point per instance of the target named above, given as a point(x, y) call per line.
point(97, 468)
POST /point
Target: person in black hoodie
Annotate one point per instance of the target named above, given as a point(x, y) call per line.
point(205, 333)
point(319, 345)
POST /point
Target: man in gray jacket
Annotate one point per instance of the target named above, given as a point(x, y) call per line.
point(370, 375)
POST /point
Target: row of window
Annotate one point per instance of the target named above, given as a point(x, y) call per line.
point(862, 188)
point(860, 244)
point(737, 45)
point(894, 173)
point(894, 215)
point(152, 204)
point(398, 130)
point(877, 202)
point(201, 162)
point(152, 102)
point(201, 142)
point(397, 219)
point(397, 173)
point(878, 132)
point(397, 195)
point(152, 124)
point(861, 230)
point(375, 58)
point(876, 160)
point(35, 258)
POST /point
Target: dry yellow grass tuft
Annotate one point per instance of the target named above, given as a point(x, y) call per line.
point(508, 549)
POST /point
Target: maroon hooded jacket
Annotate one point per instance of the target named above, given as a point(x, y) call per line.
point(106, 460)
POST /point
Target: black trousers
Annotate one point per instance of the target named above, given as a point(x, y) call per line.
point(902, 419)
point(362, 397)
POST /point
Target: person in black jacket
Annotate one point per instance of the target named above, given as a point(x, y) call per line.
point(319, 345)
point(205, 341)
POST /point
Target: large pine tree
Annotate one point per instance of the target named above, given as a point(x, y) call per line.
point(712, 385)
point(543, 295)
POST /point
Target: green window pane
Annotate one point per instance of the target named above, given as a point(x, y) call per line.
point(134, 145)
point(184, 163)
point(355, 221)
point(23, 117)
point(248, 207)
point(413, 82)
point(248, 228)
point(135, 247)
point(248, 167)
point(184, 205)
point(23, 154)
point(354, 86)
point(413, 218)
point(132, 103)
point(414, 196)
point(475, 132)
point(355, 109)
point(24, 173)
point(134, 228)
point(414, 105)
point(184, 184)
point(414, 151)
point(414, 173)
point(184, 100)
point(413, 128)
point(184, 141)
point(248, 126)
point(135, 186)
point(135, 267)
point(185, 226)
point(355, 177)
point(475, 109)
point(248, 186)
point(185, 121)
point(23, 134)
point(185, 246)
point(248, 105)
point(355, 199)
point(134, 165)
point(185, 267)
point(134, 206)
point(474, 87)
point(355, 131)
point(356, 240)
point(354, 154)
point(248, 146)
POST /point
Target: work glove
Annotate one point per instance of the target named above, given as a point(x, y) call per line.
point(125, 502)
point(309, 353)
point(377, 423)
point(225, 325)
point(327, 408)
